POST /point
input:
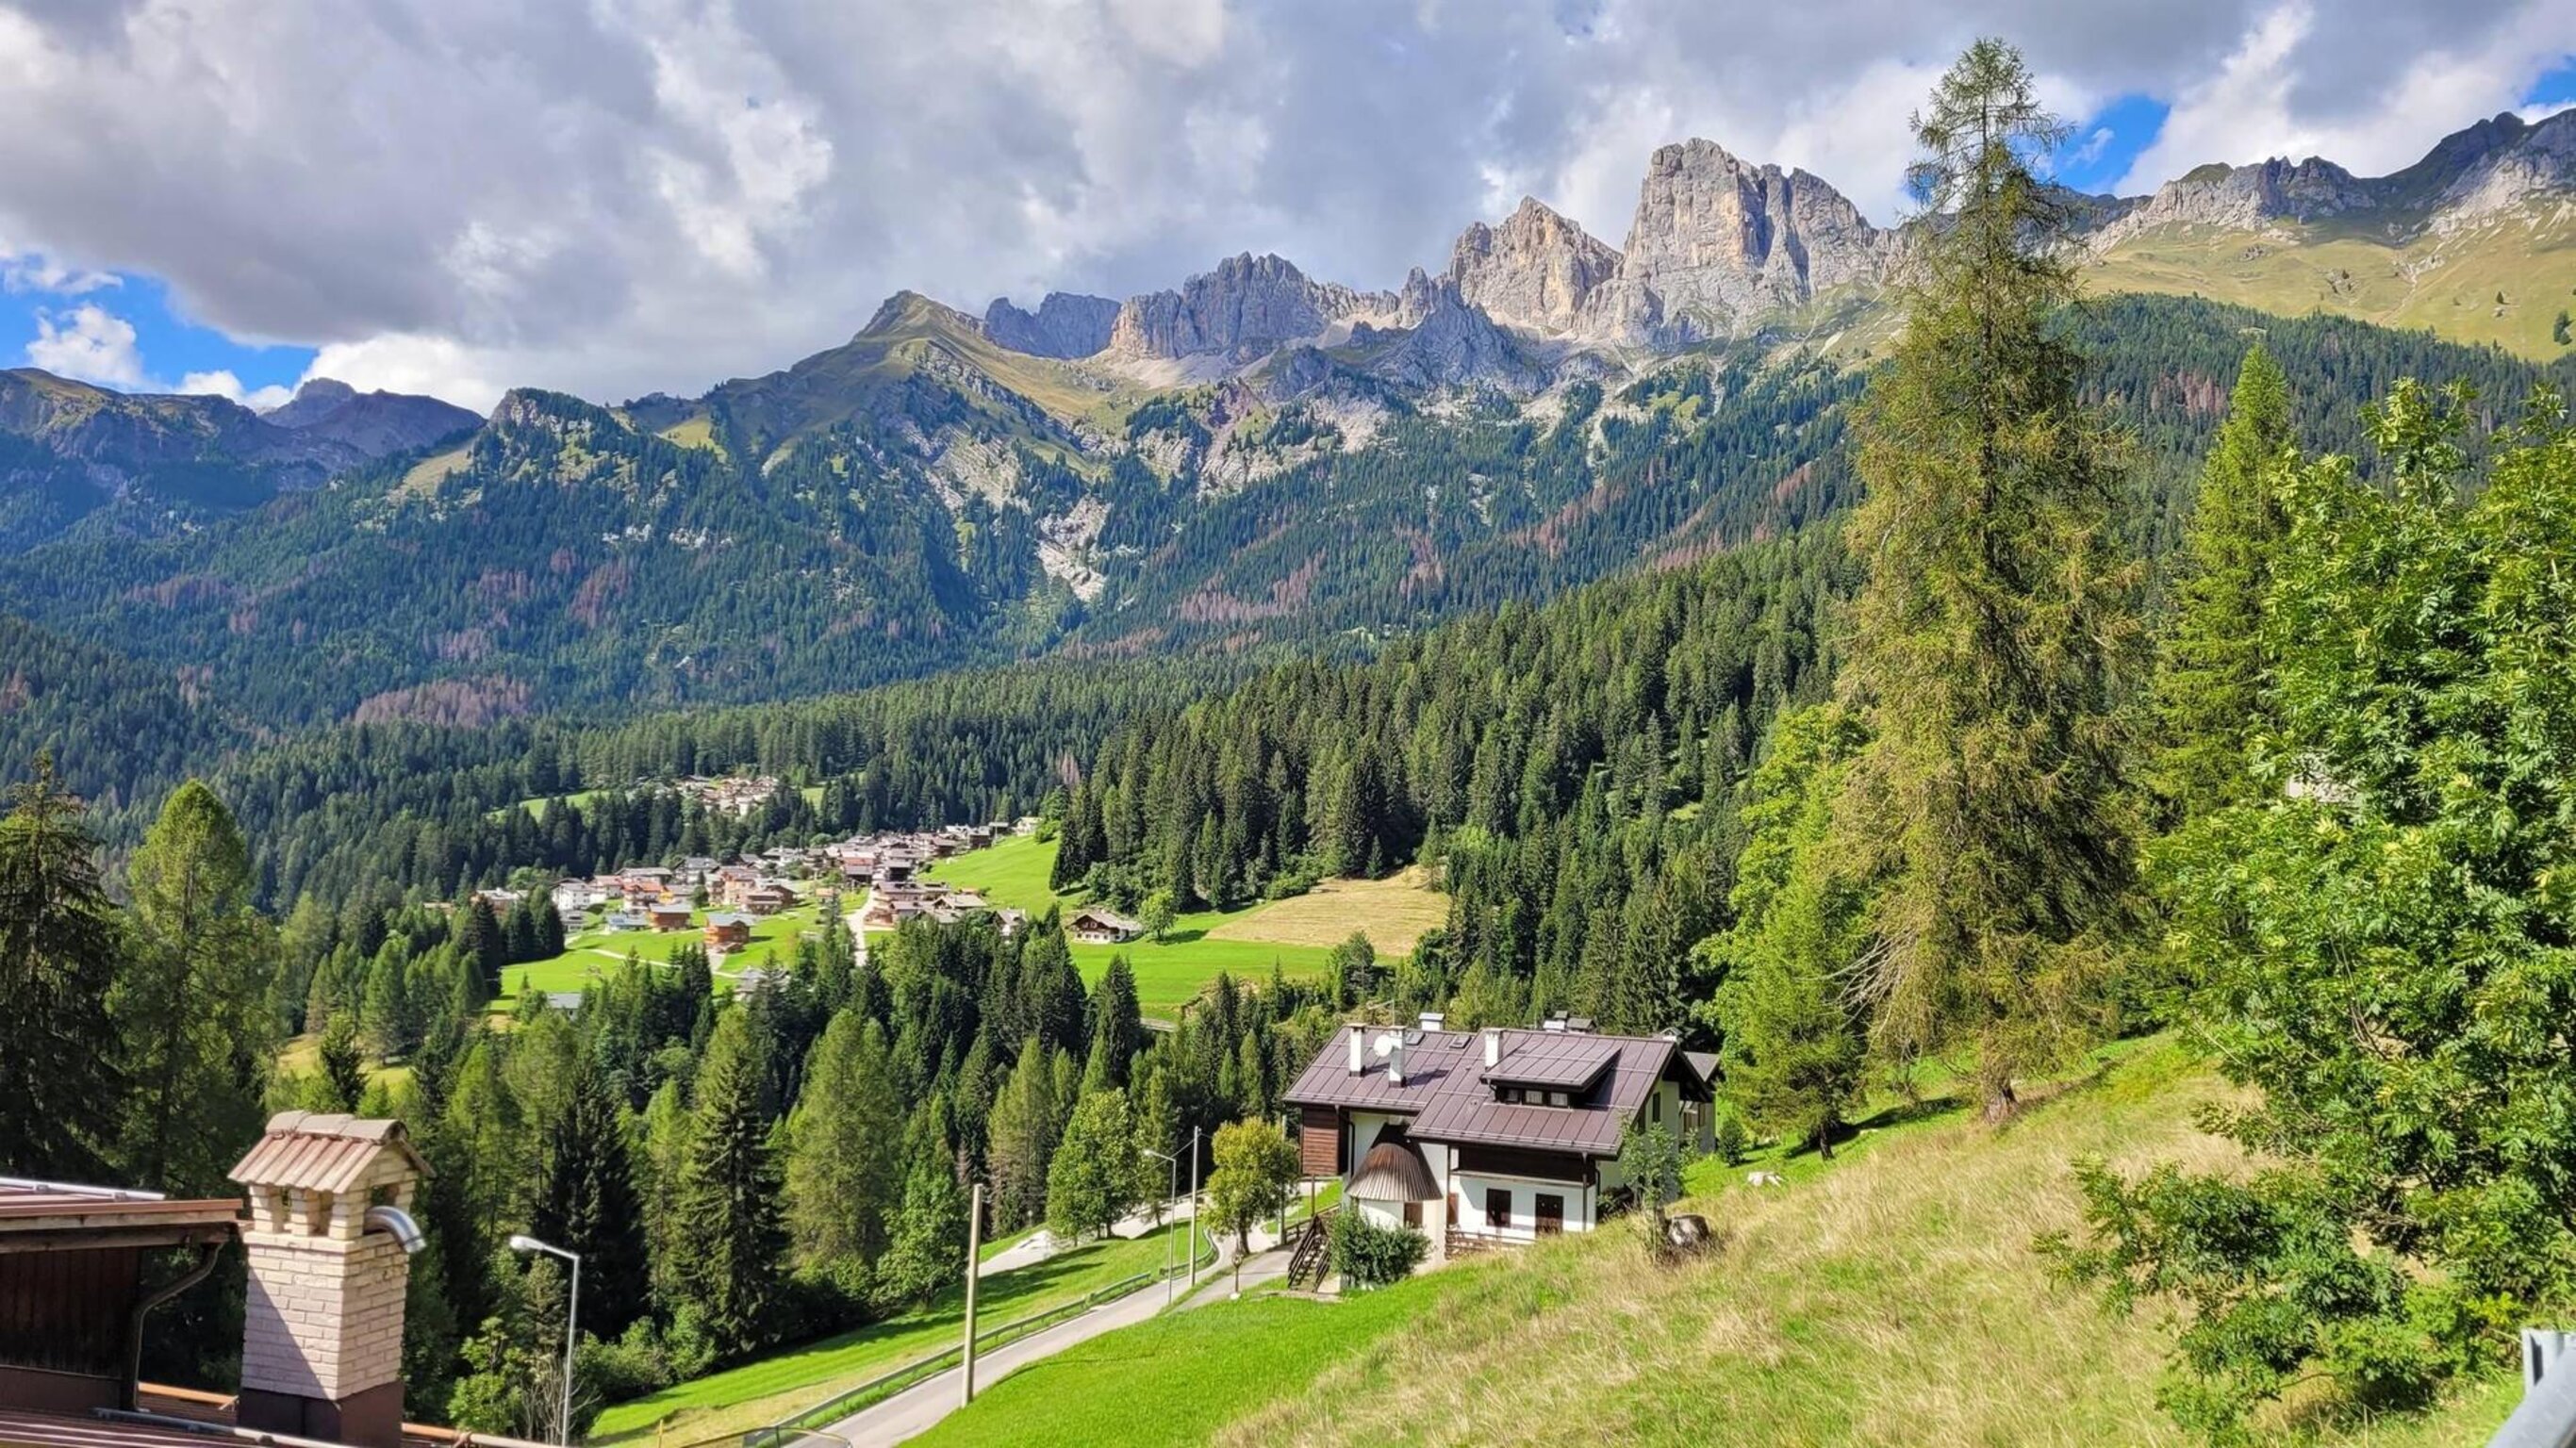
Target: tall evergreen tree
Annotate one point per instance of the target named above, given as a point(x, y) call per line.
point(1117, 1027)
point(728, 1201)
point(1020, 1138)
point(928, 1251)
point(2210, 696)
point(586, 1202)
point(844, 1152)
point(191, 1003)
point(59, 1082)
point(1990, 641)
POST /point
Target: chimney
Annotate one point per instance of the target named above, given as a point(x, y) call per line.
point(1359, 1048)
point(1395, 1060)
point(1431, 1020)
point(1493, 1047)
point(328, 1245)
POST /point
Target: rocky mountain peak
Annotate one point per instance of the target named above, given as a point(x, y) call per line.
point(1717, 240)
point(1245, 307)
point(317, 397)
point(1533, 272)
point(1066, 324)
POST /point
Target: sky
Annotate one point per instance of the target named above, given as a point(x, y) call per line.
point(613, 197)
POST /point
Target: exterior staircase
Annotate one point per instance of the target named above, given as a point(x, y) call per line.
point(1313, 1256)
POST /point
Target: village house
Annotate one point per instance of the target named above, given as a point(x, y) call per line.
point(1093, 925)
point(767, 898)
point(1497, 1135)
point(727, 931)
point(668, 914)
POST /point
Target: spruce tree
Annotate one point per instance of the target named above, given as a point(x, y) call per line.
point(929, 1248)
point(586, 1203)
point(1989, 644)
point(1091, 1182)
point(59, 1081)
point(2212, 666)
point(1117, 1027)
point(1020, 1138)
point(728, 1201)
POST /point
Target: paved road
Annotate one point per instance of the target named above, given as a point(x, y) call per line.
point(914, 1410)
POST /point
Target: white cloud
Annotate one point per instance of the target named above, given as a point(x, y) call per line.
point(2264, 101)
point(223, 383)
point(2537, 114)
point(629, 195)
point(89, 344)
point(33, 271)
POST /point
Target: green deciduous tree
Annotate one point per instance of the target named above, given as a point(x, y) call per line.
point(2377, 945)
point(1255, 1176)
point(928, 1251)
point(1989, 643)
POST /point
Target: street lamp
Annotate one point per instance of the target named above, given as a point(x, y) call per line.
point(1176, 1218)
point(522, 1243)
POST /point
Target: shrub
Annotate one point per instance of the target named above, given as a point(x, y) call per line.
point(1732, 1138)
point(1368, 1255)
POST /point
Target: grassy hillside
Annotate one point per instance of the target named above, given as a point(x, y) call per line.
point(771, 1388)
point(1295, 934)
point(1892, 1297)
point(2447, 283)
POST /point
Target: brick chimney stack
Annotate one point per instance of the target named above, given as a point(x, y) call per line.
point(322, 1331)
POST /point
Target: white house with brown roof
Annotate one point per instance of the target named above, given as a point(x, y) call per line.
point(1497, 1135)
point(1093, 925)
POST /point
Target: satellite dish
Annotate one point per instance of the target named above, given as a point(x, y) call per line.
point(1387, 1041)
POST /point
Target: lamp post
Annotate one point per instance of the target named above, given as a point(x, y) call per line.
point(1167, 1236)
point(1194, 1208)
point(521, 1242)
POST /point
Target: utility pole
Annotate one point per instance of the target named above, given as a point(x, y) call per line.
point(1194, 1207)
point(974, 1256)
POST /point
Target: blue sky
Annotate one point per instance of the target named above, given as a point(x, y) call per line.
point(659, 194)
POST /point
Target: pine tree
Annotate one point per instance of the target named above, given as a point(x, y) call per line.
point(586, 1203)
point(59, 1078)
point(729, 1218)
point(844, 1161)
point(343, 1068)
point(1989, 644)
point(2210, 699)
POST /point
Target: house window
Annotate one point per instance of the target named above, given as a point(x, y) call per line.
point(1559, 1098)
point(1498, 1208)
point(1413, 1215)
point(1655, 1109)
point(1550, 1210)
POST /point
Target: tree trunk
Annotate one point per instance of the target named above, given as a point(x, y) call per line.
point(2001, 1103)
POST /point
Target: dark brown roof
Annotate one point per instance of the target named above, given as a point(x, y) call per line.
point(34, 1206)
point(1447, 1095)
point(1393, 1171)
point(1562, 1060)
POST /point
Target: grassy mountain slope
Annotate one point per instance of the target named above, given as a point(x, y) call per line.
point(1891, 1297)
point(2504, 283)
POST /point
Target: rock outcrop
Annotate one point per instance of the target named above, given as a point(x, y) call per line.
point(1066, 324)
point(1242, 310)
point(1451, 342)
point(1534, 272)
point(2246, 198)
point(1717, 242)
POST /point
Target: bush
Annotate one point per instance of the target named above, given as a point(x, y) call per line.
point(1367, 1255)
point(1732, 1138)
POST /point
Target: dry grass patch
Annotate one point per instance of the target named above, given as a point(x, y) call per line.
point(1394, 912)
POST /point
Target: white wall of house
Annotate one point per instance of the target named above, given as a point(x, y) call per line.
point(1476, 1218)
